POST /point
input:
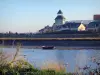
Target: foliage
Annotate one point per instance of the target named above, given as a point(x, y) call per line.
point(22, 67)
point(26, 69)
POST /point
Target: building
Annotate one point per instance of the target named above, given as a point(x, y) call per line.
point(46, 29)
point(94, 26)
point(60, 19)
point(73, 26)
point(82, 27)
point(61, 24)
point(96, 17)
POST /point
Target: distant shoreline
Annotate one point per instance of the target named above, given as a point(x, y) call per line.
point(59, 43)
point(56, 47)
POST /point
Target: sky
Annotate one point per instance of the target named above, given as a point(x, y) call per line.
point(31, 15)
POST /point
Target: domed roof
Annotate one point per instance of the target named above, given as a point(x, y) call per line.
point(60, 12)
point(60, 17)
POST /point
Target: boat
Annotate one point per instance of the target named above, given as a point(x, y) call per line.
point(48, 47)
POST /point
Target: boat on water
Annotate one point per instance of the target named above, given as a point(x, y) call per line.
point(48, 47)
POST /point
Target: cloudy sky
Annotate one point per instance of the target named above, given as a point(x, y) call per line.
point(32, 15)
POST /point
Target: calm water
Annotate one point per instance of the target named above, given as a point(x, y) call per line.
point(69, 58)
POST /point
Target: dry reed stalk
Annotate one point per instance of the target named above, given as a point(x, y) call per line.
point(16, 54)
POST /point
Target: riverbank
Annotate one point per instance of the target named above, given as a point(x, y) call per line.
point(56, 47)
point(57, 42)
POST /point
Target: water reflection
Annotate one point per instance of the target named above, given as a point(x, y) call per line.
point(82, 59)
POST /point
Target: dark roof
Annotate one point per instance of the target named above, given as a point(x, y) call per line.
point(60, 12)
point(68, 25)
point(72, 25)
point(60, 17)
point(86, 22)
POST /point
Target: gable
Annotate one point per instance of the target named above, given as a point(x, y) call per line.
point(81, 27)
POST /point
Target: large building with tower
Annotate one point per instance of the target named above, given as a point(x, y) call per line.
point(61, 24)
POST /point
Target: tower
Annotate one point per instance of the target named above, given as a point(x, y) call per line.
point(59, 20)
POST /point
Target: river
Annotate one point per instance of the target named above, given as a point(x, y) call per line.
point(71, 59)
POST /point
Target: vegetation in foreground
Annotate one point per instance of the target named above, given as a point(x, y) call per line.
point(22, 67)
